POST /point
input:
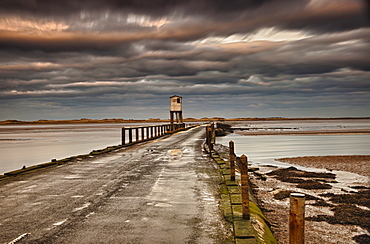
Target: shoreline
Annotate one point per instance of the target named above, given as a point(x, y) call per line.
point(314, 132)
point(157, 120)
point(358, 164)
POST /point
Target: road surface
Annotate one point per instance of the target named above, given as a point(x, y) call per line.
point(164, 191)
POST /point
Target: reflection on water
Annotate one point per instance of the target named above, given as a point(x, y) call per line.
point(264, 149)
point(33, 144)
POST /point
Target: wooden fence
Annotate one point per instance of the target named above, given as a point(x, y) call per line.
point(143, 133)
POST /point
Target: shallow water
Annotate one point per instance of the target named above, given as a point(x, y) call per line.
point(264, 149)
point(33, 144)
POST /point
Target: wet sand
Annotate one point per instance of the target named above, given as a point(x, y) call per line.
point(359, 164)
point(337, 197)
point(337, 200)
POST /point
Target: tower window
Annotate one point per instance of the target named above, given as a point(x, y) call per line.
point(178, 100)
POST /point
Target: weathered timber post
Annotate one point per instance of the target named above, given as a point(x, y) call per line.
point(245, 187)
point(213, 135)
point(151, 132)
point(209, 136)
point(130, 135)
point(142, 133)
point(147, 132)
point(137, 134)
point(232, 160)
point(123, 135)
point(296, 218)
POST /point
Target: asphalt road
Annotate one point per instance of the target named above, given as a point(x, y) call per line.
point(165, 191)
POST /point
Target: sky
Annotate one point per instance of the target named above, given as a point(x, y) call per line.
point(99, 59)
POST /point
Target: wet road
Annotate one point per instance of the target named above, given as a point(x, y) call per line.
point(165, 191)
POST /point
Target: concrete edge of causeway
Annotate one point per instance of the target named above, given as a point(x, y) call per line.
point(255, 230)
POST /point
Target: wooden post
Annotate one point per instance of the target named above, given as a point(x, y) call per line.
point(123, 135)
point(232, 160)
point(245, 186)
point(171, 121)
point(296, 218)
point(130, 135)
point(137, 133)
point(147, 132)
point(210, 144)
point(213, 134)
point(207, 138)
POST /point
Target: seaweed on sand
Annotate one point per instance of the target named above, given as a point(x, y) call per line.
point(348, 210)
point(294, 175)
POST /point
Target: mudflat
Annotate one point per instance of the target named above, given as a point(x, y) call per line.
point(359, 164)
point(337, 197)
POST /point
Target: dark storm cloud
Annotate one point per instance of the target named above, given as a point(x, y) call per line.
point(148, 7)
point(324, 15)
point(105, 56)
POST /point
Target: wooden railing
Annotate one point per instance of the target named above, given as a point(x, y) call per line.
point(143, 133)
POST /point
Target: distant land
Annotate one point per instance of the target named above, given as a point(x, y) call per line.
point(157, 120)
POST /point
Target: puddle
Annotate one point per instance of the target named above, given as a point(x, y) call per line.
point(72, 177)
point(175, 153)
point(60, 222)
point(82, 207)
point(28, 189)
point(163, 205)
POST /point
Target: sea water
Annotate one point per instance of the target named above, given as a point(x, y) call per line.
point(264, 149)
point(27, 145)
